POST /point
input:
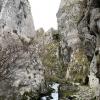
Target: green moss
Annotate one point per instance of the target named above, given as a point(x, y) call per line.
point(65, 93)
point(51, 62)
point(56, 79)
point(30, 96)
point(79, 66)
point(49, 57)
point(2, 97)
point(98, 58)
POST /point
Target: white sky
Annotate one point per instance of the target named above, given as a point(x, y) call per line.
point(44, 13)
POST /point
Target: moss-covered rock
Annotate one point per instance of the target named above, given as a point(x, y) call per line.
point(78, 68)
point(67, 90)
point(30, 96)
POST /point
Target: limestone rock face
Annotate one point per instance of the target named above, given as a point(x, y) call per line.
point(91, 21)
point(15, 16)
point(79, 25)
point(72, 50)
point(47, 47)
point(21, 70)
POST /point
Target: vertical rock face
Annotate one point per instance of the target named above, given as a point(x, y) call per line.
point(90, 22)
point(21, 70)
point(79, 27)
point(71, 44)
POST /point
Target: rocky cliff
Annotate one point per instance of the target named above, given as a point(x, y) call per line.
point(21, 70)
point(72, 47)
point(78, 25)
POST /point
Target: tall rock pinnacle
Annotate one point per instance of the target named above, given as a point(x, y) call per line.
point(16, 15)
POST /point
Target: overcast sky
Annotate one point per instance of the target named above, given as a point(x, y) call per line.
point(44, 13)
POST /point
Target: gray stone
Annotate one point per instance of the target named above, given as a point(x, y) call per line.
point(21, 69)
point(79, 28)
point(68, 16)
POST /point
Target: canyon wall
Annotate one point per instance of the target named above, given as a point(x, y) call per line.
point(78, 26)
point(72, 49)
point(21, 70)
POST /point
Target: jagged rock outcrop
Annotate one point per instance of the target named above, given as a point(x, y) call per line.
point(21, 70)
point(90, 22)
point(78, 26)
point(16, 15)
point(72, 49)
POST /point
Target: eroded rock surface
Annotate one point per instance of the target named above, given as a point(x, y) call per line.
point(72, 49)
point(21, 70)
point(78, 25)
